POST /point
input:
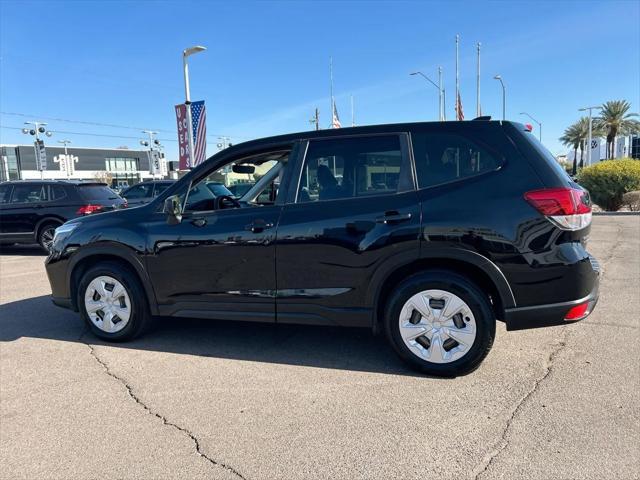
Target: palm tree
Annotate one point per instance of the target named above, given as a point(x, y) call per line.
point(571, 139)
point(615, 119)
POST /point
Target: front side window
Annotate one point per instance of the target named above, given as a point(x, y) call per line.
point(29, 193)
point(352, 167)
point(264, 170)
point(139, 191)
point(5, 191)
point(161, 187)
point(447, 157)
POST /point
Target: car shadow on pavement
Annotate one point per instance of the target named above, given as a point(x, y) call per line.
point(22, 250)
point(314, 346)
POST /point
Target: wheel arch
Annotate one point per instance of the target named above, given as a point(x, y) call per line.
point(85, 259)
point(42, 222)
point(474, 266)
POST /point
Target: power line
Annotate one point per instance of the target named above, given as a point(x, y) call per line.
point(110, 125)
point(91, 134)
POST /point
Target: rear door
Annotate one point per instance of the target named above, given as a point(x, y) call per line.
point(353, 214)
point(24, 210)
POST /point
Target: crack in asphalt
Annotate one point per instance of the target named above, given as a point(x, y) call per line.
point(166, 422)
point(504, 443)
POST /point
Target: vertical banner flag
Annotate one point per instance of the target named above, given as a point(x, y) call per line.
point(199, 124)
point(183, 137)
point(41, 155)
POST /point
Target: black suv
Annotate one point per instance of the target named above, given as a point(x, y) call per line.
point(144, 192)
point(428, 232)
point(31, 210)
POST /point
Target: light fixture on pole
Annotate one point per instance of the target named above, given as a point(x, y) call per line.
point(590, 109)
point(153, 155)
point(186, 53)
point(504, 97)
point(539, 124)
point(68, 161)
point(40, 152)
point(438, 86)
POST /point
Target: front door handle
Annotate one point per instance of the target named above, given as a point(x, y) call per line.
point(199, 222)
point(393, 217)
point(258, 226)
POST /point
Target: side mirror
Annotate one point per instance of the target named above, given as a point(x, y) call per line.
point(243, 169)
point(173, 209)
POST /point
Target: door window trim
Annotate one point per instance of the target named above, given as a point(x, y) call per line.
point(406, 163)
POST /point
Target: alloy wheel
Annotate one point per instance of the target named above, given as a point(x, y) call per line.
point(437, 326)
point(107, 304)
point(46, 237)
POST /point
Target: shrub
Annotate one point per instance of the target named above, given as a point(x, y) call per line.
point(632, 200)
point(609, 180)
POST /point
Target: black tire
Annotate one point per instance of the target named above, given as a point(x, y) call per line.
point(45, 234)
point(470, 293)
point(140, 316)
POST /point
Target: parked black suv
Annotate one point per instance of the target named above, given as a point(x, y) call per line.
point(31, 210)
point(429, 232)
point(144, 192)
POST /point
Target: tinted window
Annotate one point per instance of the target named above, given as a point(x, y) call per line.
point(138, 191)
point(5, 191)
point(29, 193)
point(57, 192)
point(446, 157)
point(96, 193)
point(161, 187)
point(352, 167)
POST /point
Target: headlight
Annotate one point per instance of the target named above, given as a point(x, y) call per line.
point(64, 229)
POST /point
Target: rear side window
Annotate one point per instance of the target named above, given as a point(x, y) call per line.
point(29, 193)
point(57, 192)
point(353, 167)
point(5, 191)
point(92, 193)
point(447, 157)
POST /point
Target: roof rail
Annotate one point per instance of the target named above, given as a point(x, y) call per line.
point(483, 118)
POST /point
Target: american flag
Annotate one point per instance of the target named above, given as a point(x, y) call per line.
point(199, 124)
point(335, 122)
point(459, 111)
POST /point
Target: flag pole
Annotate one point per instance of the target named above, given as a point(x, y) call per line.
point(353, 118)
point(457, 80)
point(331, 82)
point(478, 85)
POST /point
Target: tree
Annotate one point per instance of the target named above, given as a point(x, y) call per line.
point(615, 119)
point(570, 139)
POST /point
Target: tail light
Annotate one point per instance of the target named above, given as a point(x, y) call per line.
point(568, 208)
point(88, 209)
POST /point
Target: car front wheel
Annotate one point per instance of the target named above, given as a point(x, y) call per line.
point(112, 302)
point(440, 323)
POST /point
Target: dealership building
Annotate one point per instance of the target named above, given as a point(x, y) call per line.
point(124, 167)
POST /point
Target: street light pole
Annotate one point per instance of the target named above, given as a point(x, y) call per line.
point(38, 128)
point(504, 97)
point(539, 124)
point(438, 86)
point(66, 157)
point(590, 109)
point(187, 93)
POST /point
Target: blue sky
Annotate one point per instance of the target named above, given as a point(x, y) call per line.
point(266, 67)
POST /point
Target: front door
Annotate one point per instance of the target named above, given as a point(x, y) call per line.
point(219, 261)
point(355, 214)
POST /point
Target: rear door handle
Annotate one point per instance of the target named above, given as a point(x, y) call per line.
point(393, 217)
point(258, 226)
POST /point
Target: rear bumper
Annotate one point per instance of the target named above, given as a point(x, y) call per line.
point(549, 315)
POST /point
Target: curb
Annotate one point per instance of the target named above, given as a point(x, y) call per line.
point(614, 214)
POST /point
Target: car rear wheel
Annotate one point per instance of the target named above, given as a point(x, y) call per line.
point(112, 302)
point(46, 233)
point(440, 323)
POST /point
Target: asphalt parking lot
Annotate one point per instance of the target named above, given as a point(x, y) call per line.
point(202, 399)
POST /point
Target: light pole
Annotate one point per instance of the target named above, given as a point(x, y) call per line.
point(38, 127)
point(152, 157)
point(504, 97)
point(539, 124)
point(438, 86)
point(185, 54)
point(590, 109)
point(66, 157)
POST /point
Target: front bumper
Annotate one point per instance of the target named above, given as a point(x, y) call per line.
point(552, 314)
